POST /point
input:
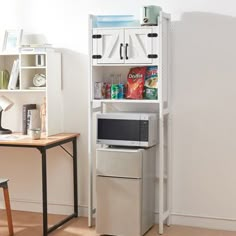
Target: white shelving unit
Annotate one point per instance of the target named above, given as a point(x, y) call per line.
point(116, 50)
point(26, 92)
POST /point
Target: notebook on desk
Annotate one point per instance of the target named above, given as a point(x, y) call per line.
point(12, 137)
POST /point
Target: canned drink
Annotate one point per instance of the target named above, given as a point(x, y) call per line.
point(104, 90)
point(121, 91)
point(98, 90)
point(114, 91)
point(108, 91)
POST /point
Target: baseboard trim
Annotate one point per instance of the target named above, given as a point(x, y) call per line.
point(210, 222)
point(36, 206)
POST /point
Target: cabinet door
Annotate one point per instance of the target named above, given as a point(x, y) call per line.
point(118, 206)
point(119, 162)
point(138, 46)
point(108, 46)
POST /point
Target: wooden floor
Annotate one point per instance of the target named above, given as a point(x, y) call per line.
point(29, 224)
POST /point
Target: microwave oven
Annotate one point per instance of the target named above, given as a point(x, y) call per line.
point(127, 129)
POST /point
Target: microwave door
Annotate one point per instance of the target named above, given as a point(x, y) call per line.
point(118, 132)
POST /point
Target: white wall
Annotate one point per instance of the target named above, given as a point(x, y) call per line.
point(203, 114)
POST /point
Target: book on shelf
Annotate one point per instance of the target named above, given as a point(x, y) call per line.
point(14, 75)
point(25, 109)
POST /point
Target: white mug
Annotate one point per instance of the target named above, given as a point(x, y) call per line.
point(35, 133)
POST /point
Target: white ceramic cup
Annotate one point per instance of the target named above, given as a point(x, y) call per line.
point(35, 133)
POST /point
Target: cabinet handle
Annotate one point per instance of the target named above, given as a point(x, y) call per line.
point(126, 51)
point(121, 46)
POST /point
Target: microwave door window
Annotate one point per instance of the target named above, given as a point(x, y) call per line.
point(114, 129)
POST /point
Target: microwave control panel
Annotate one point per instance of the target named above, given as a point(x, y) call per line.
point(144, 130)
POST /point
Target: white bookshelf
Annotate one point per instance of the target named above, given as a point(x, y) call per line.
point(26, 92)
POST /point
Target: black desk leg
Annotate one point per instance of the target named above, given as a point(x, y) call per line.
point(44, 191)
point(75, 177)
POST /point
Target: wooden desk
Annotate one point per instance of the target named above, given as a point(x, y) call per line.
point(43, 145)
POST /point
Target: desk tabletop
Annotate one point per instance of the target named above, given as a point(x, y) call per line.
point(18, 139)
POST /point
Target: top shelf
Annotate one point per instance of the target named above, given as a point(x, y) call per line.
point(125, 21)
point(9, 53)
point(125, 27)
point(33, 67)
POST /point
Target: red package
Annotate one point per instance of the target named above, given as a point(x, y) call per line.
point(135, 82)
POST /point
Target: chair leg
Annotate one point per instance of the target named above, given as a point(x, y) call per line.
point(8, 210)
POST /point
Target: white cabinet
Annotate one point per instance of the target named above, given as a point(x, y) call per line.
point(25, 91)
point(129, 46)
point(125, 190)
